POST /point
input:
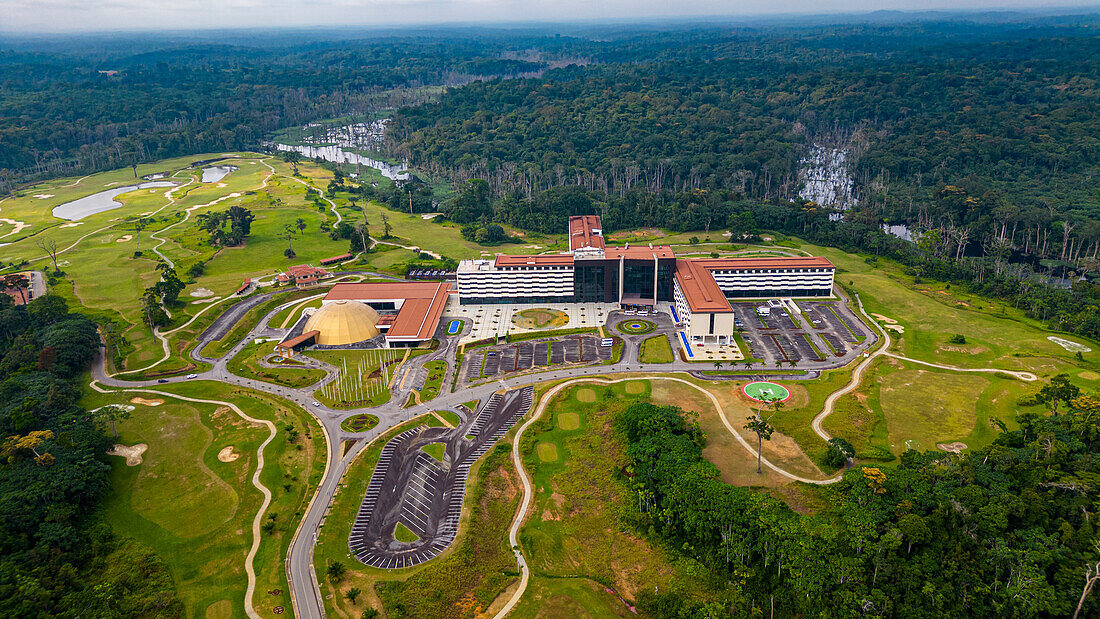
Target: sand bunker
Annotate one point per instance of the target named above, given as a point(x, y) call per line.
point(43, 196)
point(1068, 345)
point(124, 238)
point(19, 225)
point(132, 453)
point(882, 318)
point(201, 292)
point(227, 454)
point(894, 328)
point(145, 402)
point(954, 448)
point(125, 407)
point(72, 224)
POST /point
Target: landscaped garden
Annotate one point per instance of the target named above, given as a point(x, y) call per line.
point(540, 318)
point(636, 326)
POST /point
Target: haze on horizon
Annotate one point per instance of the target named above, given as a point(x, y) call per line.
point(44, 16)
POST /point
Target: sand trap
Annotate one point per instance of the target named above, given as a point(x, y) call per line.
point(19, 225)
point(124, 238)
point(72, 224)
point(125, 407)
point(132, 453)
point(227, 454)
point(882, 318)
point(145, 402)
point(201, 292)
point(894, 328)
point(43, 196)
point(1068, 345)
point(954, 448)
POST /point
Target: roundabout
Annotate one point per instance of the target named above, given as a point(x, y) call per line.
point(636, 326)
point(764, 391)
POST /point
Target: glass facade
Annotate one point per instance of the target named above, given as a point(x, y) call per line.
point(778, 292)
point(594, 282)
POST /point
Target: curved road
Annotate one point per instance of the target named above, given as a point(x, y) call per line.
point(301, 575)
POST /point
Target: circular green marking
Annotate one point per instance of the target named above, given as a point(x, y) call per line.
point(764, 391)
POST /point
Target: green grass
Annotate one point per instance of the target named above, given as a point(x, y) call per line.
point(435, 450)
point(366, 383)
point(540, 318)
point(436, 371)
point(402, 533)
point(359, 423)
point(574, 534)
point(451, 418)
point(644, 326)
point(247, 364)
point(655, 349)
point(194, 510)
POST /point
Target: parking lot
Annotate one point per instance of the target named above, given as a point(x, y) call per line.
point(483, 363)
point(824, 330)
point(425, 495)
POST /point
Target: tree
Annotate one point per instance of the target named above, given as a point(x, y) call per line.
point(17, 282)
point(838, 452)
point(170, 286)
point(336, 571)
point(300, 224)
point(1059, 391)
point(112, 414)
point(288, 234)
point(50, 247)
point(139, 225)
point(352, 594)
point(386, 228)
point(763, 433)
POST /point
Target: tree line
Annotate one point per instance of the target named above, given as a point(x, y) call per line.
point(1001, 531)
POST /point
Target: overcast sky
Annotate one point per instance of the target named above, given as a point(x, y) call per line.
point(31, 16)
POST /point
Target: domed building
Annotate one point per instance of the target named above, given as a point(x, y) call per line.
point(343, 322)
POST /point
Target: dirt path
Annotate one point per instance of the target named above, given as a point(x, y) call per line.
point(249, 569)
point(528, 491)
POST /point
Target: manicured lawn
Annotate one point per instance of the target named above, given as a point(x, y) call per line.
point(402, 534)
point(435, 450)
point(359, 423)
point(451, 418)
point(540, 318)
point(194, 509)
point(436, 371)
point(247, 363)
point(655, 349)
point(636, 326)
point(365, 383)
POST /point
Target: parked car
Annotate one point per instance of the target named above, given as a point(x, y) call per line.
point(190, 376)
point(607, 342)
point(316, 403)
point(163, 380)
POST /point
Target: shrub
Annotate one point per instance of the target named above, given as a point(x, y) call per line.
point(957, 339)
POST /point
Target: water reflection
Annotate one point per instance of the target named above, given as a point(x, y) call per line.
point(99, 202)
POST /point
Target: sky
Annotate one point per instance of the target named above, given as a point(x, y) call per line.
point(38, 16)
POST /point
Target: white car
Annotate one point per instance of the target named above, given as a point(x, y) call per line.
point(315, 403)
point(190, 376)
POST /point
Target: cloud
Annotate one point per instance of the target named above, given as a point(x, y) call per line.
point(33, 16)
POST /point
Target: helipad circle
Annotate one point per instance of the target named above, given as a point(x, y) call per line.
point(764, 391)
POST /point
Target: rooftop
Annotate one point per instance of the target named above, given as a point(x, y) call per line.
point(540, 260)
point(639, 252)
point(585, 231)
point(419, 314)
point(700, 289)
point(743, 264)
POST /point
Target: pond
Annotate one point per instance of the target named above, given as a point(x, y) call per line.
point(99, 202)
point(336, 154)
point(215, 173)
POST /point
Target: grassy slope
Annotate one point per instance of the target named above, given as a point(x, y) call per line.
point(655, 349)
point(196, 511)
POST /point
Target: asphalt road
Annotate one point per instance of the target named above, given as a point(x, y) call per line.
point(300, 572)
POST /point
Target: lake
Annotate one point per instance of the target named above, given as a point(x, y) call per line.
point(99, 202)
point(215, 173)
point(336, 154)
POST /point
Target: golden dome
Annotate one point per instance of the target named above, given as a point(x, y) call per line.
point(343, 322)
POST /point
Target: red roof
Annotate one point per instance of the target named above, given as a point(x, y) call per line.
point(244, 286)
point(336, 258)
point(294, 341)
point(640, 252)
point(419, 314)
point(700, 289)
point(585, 231)
point(744, 264)
point(540, 260)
